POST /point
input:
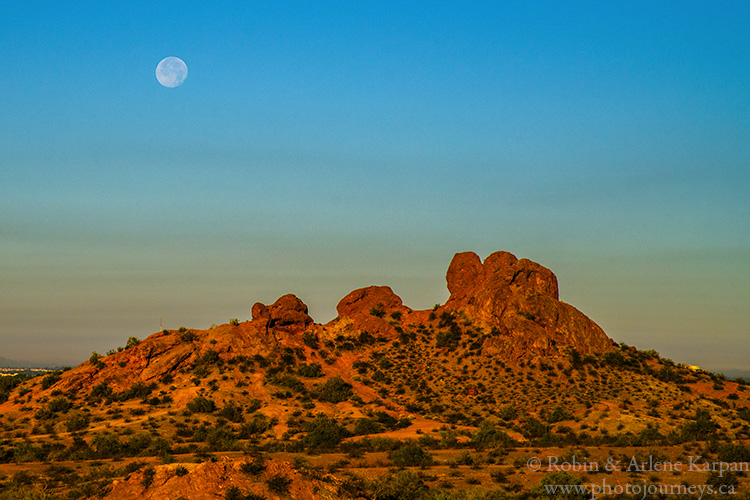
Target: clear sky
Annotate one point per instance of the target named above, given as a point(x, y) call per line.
point(318, 147)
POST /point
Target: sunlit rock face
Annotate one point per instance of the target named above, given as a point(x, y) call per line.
point(518, 300)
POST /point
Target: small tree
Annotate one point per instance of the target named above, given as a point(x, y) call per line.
point(132, 342)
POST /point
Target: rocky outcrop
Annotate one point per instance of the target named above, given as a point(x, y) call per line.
point(519, 301)
point(371, 309)
point(363, 301)
point(514, 301)
point(288, 313)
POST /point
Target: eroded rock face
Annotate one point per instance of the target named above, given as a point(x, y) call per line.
point(364, 300)
point(519, 300)
point(287, 313)
point(466, 275)
point(370, 308)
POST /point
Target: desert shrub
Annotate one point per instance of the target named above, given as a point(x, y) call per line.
point(489, 436)
point(312, 370)
point(94, 359)
point(450, 333)
point(181, 470)
point(498, 476)
point(279, 483)
point(323, 433)
point(106, 445)
point(731, 453)
point(233, 492)
point(50, 379)
point(334, 390)
point(367, 426)
point(186, 335)
point(533, 428)
point(404, 485)
point(254, 405)
point(77, 422)
point(257, 425)
point(289, 381)
point(138, 443)
point(507, 412)
point(132, 342)
point(59, 404)
point(377, 311)
point(201, 404)
point(221, 439)
point(148, 476)
point(234, 322)
point(559, 414)
point(311, 340)
point(410, 455)
point(139, 390)
point(100, 391)
point(232, 412)
point(700, 427)
point(209, 357)
point(7, 384)
point(560, 478)
point(724, 480)
point(254, 468)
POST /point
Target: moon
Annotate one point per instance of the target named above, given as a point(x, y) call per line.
point(171, 71)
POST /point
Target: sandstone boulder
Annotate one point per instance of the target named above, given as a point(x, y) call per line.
point(287, 313)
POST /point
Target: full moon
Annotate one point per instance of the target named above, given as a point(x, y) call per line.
point(171, 71)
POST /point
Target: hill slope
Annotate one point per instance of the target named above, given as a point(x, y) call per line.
point(503, 355)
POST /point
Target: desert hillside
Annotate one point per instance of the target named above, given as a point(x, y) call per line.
point(381, 402)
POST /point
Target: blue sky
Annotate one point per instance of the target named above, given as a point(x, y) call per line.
point(320, 147)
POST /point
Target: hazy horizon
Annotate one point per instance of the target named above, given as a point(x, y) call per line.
point(316, 149)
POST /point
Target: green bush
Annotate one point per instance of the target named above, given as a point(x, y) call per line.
point(410, 455)
point(100, 391)
point(77, 422)
point(201, 404)
point(233, 493)
point(132, 342)
point(258, 425)
point(334, 390)
point(367, 426)
point(232, 412)
point(50, 379)
point(376, 311)
point(560, 478)
point(405, 485)
point(559, 414)
point(139, 390)
point(279, 483)
point(489, 436)
point(323, 433)
point(311, 340)
point(148, 476)
point(59, 404)
point(312, 370)
point(254, 468)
